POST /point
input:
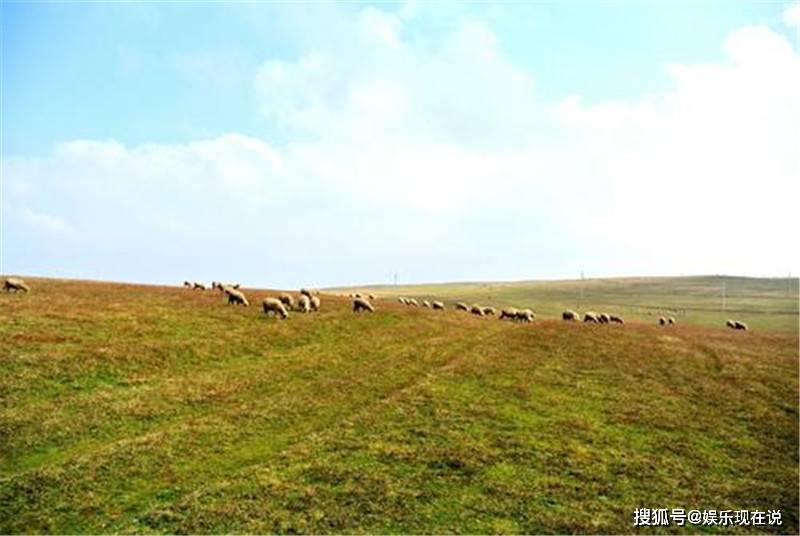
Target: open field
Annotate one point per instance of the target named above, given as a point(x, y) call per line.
point(764, 304)
point(153, 409)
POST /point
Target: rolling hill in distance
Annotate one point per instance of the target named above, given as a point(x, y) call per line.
point(764, 303)
point(160, 409)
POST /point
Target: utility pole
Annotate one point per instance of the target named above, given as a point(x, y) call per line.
point(675, 297)
point(723, 295)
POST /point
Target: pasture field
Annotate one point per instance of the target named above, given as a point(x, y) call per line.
point(150, 409)
point(764, 304)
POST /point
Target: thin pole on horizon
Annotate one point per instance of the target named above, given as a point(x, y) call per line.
point(580, 303)
point(723, 295)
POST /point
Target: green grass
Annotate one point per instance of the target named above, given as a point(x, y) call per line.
point(764, 304)
point(152, 409)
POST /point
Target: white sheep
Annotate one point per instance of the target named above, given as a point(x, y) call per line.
point(509, 312)
point(525, 315)
point(16, 284)
point(287, 300)
point(361, 304)
point(236, 297)
point(274, 305)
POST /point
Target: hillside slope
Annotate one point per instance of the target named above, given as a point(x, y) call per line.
point(764, 303)
point(155, 409)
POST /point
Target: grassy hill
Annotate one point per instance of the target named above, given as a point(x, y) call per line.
point(152, 409)
point(763, 303)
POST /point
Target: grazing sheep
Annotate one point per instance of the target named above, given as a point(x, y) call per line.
point(730, 323)
point(16, 284)
point(236, 297)
point(315, 303)
point(616, 319)
point(199, 285)
point(671, 321)
point(570, 315)
point(508, 312)
point(438, 305)
point(476, 310)
point(402, 300)
point(371, 296)
point(591, 316)
point(287, 300)
point(307, 292)
point(222, 286)
point(187, 284)
point(412, 301)
point(740, 325)
point(304, 304)
point(525, 315)
point(360, 304)
point(274, 305)
point(488, 310)
point(461, 306)
point(426, 303)
point(662, 321)
point(604, 318)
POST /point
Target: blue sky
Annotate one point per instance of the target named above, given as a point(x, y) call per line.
point(328, 143)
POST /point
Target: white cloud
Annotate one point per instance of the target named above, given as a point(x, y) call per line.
point(438, 159)
point(704, 176)
point(45, 223)
point(380, 26)
point(791, 15)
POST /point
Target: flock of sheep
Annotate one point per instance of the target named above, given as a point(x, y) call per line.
point(309, 301)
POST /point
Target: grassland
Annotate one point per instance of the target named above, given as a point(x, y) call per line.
point(765, 304)
point(152, 409)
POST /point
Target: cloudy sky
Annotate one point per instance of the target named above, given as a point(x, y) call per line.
point(285, 144)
